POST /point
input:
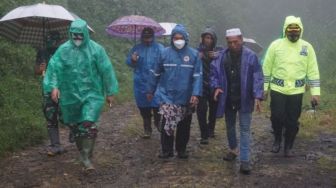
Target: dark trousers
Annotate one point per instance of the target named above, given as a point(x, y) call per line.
point(146, 114)
point(285, 114)
point(182, 136)
point(207, 125)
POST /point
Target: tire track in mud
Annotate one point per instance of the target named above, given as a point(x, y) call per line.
point(124, 159)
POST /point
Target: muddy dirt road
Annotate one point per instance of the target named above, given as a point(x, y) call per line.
point(124, 159)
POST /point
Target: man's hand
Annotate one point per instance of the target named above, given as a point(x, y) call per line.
point(135, 57)
point(257, 105)
point(55, 95)
point(315, 99)
point(212, 54)
point(149, 96)
point(109, 100)
point(193, 101)
point(217, 92)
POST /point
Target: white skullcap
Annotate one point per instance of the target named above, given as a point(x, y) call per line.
point(233, 32)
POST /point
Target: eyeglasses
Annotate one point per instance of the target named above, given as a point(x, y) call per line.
point(77, 36)
point(293, 29)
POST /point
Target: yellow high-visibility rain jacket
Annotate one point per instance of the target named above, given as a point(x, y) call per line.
point(289, 66)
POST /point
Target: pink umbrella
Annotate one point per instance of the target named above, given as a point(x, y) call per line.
point(132, 26)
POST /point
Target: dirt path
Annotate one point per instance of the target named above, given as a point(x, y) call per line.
point(123, 159)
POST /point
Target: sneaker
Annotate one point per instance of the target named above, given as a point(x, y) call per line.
point(245, 167)
point(276, 147)
point(204, 141)
point(230, 156)
point(166, 155)
point(147, 135)
point(182, 155)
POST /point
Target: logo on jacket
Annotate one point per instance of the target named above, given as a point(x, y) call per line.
point(186, 58)
point(304, 51)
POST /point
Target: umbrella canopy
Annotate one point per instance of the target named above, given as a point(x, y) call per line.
point(253, 45)
point(132, 26)
point(168, 26)
point(29, 24)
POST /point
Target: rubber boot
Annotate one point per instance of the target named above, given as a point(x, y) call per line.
point(289, 141)
point(277, 143)
point(147, 127)
point(85, 146)
point(55, 146)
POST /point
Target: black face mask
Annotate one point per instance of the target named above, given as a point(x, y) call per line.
point(293, 37)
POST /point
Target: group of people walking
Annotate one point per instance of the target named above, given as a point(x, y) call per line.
point(172, 83)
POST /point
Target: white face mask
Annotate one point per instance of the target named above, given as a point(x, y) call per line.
point(78, 42)
point(179, 44)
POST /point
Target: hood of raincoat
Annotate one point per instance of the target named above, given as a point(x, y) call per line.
point(210, 31)
point(292, 20)
point(180, 29)
point(79, 26)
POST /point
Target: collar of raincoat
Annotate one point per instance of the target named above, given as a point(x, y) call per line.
point(179, 28)
point(292, 20)
point(79, 26)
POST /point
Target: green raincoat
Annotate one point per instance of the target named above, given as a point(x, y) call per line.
point(289, 66)
point(84, 75)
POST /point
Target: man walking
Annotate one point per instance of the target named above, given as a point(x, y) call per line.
point(142, 58)
point(290, 63)
point(237, 78)
point(81, 76)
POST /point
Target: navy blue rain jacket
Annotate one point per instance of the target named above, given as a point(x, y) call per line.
point(178, 74)
point(252, 80)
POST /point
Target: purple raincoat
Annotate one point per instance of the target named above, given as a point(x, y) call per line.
point(251, 80)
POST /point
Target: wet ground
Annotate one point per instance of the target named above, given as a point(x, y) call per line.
point(124, 159)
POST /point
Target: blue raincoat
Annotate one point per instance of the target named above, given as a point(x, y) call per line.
point(148, 56)
point(178, 74)
point(251, 80)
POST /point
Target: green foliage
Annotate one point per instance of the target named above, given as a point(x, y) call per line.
point(20, 99)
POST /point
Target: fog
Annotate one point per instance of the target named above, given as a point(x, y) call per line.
point(263, 19)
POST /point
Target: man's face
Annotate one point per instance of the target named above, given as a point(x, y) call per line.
point(147, 40)
point(293, 32)
point(235, 43)
point(207, 40)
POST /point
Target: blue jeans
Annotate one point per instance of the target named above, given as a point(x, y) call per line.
point(244, 123)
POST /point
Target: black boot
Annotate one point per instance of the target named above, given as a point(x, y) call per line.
point(55, 146)
point(289, 142)
point(276, 144)
point(147, 127)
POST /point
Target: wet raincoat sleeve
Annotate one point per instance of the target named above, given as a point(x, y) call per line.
point(258, 79)
point(107, 73)
point(313, 75)
point(155, 74)
point(197, 82)
point(214, 75)
point(50, 80)
point(129, 57)
point(268, 66)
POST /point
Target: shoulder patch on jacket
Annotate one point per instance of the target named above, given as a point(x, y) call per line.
point(304, 51)
point(186, 59)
